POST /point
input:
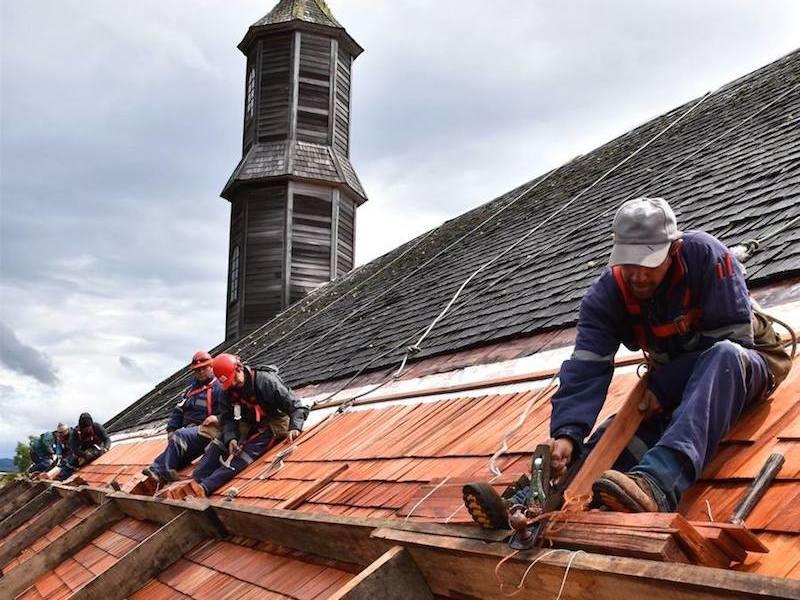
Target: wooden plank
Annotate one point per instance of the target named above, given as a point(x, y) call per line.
point(609, 447)
point(11, 489)
point(299, 498)
point(149, 558)
point(660, 545)
point(54, 514)
point(27, 511)
point(724, 541)
point(65, 546)
point(455, 567)
point(394, 576)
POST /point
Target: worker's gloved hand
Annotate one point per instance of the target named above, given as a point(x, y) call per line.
point(649, 405)
point(292, 435)
point(560, 456)
point(170, 435)
point(233, 446)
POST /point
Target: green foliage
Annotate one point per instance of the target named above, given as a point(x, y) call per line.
point(22, 456)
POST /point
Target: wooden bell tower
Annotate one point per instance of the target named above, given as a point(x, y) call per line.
point(294, 192)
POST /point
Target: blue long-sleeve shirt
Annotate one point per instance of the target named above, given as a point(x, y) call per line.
point(193, 407)
point(717, 286)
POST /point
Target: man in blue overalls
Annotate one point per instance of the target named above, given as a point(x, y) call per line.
point(682, 298)
point(192, 424)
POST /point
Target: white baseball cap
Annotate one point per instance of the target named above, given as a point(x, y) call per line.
point(644, 229)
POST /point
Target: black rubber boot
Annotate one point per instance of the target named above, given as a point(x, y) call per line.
point(488, 508)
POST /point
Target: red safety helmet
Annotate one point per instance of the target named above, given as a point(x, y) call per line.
point(201, 359)
point(225, 366)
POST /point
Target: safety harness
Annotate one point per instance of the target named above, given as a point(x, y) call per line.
point(208, 389)
point(687, 321)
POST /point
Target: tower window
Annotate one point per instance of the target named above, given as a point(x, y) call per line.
point(234, 271)
point(251, 92)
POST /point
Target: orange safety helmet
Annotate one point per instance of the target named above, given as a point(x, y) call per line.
point(225, 366)
point(201, 359)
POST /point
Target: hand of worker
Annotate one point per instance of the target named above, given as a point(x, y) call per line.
point(292, 435)
point(210, 420)
point(560, 456)
point(233, 446)
point(649, 405)
point(170, 435)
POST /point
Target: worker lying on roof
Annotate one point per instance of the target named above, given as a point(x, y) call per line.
point(682, 298)
point(256, 411)
point(193, 422)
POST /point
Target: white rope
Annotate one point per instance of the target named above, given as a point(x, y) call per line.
point(566, 572)
point(425, 497)
point(513, 431)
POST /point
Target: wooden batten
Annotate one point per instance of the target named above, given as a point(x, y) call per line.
point(152, 509)
point(394, 576)
point(52, 516)
point(153, 555)
point(338, 538)
point(73, 540)
point(20, 497)
point(27, 511)
point(8, 491)
point(461, 567)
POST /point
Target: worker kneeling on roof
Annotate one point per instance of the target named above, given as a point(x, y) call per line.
point(256, 410)
point(683, 300)
point(193, 423)
point(85, 443)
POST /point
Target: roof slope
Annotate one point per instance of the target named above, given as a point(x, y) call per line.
point(409, 462)
point(731, 167)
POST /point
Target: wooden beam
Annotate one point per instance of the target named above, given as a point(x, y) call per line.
point(339, 538)
point(157, 510)
point(394, 576)
point(19, 499)
point(65, 546)
point(464, 567)
point(299, 498)
point(52, 516)
point(149, 558)
point(608, 448)
point(26, 511)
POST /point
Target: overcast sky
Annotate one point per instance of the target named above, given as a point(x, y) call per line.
point(121, 121)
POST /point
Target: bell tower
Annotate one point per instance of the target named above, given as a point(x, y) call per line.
point(294, 193)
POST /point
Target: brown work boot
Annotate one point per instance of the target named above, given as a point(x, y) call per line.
point(628, 492)
point(488, 508)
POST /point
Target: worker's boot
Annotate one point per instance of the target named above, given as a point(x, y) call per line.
point(490, 509)
point(629, 492)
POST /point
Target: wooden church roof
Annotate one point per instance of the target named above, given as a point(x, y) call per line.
point(730, 167)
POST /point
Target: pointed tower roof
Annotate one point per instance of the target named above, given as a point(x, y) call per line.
point(310, 11)
point(311, 15)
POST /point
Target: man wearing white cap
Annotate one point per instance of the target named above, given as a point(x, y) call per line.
point(682, 299)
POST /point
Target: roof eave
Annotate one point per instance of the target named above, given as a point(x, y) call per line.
point(297, 24)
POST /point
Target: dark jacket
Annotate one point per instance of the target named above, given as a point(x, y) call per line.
point(267, 391)
point(716, 284)
point(79, 444)
point(43, 448)
point(193, 407)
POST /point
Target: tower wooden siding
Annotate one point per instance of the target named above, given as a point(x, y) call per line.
point(294, 193)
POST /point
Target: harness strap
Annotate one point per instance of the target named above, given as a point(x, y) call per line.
point(681, 325)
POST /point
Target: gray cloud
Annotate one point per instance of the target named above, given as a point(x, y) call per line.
point(25, 359)
point(130, 364)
